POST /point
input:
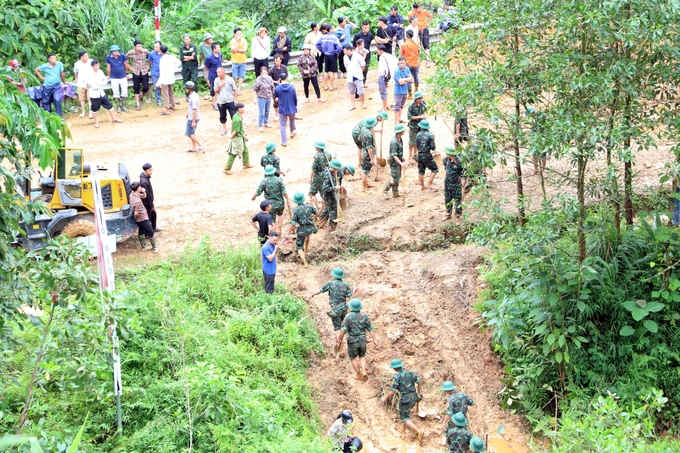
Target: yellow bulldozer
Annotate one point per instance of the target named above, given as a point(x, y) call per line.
point(68, 194)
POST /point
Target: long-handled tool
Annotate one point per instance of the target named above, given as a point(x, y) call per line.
point(403, 195)
point(341, 215)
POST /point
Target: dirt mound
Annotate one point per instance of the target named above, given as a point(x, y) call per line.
point(79, 228)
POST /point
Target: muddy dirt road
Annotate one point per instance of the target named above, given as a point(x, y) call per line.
point(419, 301)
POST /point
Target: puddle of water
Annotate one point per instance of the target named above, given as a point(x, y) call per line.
point(500, 445)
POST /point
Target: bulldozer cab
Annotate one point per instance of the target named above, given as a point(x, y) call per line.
point(69, 182)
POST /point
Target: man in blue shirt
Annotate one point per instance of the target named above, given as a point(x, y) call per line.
point(51, 91)
point(269, 251)
point(344, 34)
point(155, 59)
point(213, 62)
point(396, 22)
point(402, 80)
point(116, 71)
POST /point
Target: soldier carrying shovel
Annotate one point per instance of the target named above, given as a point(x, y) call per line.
point(407, 383)
point(338, 293)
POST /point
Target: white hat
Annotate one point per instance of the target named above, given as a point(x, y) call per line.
point(281, 29)
point(307, 46)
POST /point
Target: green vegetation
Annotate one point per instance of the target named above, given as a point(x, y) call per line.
point(209, 363)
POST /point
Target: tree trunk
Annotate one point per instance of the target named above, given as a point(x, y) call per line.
point(628, 184)
point(518, 169)
point(580, 190)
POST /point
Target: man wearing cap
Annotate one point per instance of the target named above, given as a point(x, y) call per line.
point(303, 219)
point(189, 56)
point(205, 50)
point(116, 71)
point(53, 72)
point(167, 67)
point(346, 170)
point(275, 192)
point(367, 150)
point(425, 146)
point(139, 57)
point(226, 97)
point(355, 325)
point(308, 67)
point(453, 182)
point(417, 111)
point(82, 71)
point(20, 83)
point(329, 45)
point(282, 45)
point(262, 222)
point(384, 34)
point(237, 146)
point(287, 99)
point(407, 383)
point(320, 163)
point(268, 254)
point(458, 437)
point(330, 193)
point(477, 444)
point(260, 50)
point(272, 159)
point(338, 293)
point(145, 181)
point(193, 117)
point(387, 66)
point(396, 161)
point(456, 401)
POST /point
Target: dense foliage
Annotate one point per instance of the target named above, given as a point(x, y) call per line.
point(209, 362)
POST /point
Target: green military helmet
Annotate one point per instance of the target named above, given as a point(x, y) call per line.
point(417, 95)
point(207, 36)
point(355, 305)
point(383, 114)
point(114, 48)
point(269, 170)
point(319, 145)
point(271, 146)
point(338, 273)
point(335, 163)
point(396, 363)
point(350, 169)
point(450, 150)
point(299, 198)
point(459, 419)
point(448, 386)
point(477, 444)
point(399, 128)
point(424, 124)
point(370, 122)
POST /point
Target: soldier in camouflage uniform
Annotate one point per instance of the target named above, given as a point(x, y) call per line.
point(272, 159)
point(329, 192)
point(416, 112)
point(367, 150)
point(453, 183)
point(455, 402)
point(274, 192)
point(303, 219)
point(356, 131)
point(321, 160)
point(425, 144)
point(338, 293)
point(458, 438)
point(407, 383)
point(396, 161)
point(346, 170)
point(355, 325)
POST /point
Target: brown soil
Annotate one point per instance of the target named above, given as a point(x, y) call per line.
point(420, 301)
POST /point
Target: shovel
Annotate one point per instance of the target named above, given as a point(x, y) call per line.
point(341, 215)
point(403, 195)
point(343, 198)
point(421, 414)
point(381, 162)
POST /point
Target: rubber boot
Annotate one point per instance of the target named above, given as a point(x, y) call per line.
point(153, 245)
point(395, 191)
point(403, 430)
point(123, 103)
point(410, 93)
point(118, 105)
point(142, 242)
point(416, 85)
point(387, 189)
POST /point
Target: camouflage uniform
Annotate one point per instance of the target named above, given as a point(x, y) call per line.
point(458, 402)
point(356, 324)
point(321, 160)
point(458, 440)
point(356, 133)
point(328, 194)
point(341, 174)
point(405, 383)
point(425, 144)
point(271, 159)
point(396, 149)
point(453, 186)
point(338, 293)
point(304, 221)
point(274, 190)
point(414, 110)
point(367, 143)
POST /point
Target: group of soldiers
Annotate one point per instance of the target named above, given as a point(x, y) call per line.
point(349, 321)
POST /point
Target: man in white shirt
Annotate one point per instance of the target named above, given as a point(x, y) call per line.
point(414, 27)
point(387, 65)
point(98, 98)
point(260, 49)
point(82, 70)
point(167, 67)
point(354, 64)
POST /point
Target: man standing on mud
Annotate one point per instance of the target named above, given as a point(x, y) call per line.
point(338, 293)
point(456, 401)
point(355, 325)
point(407, 383)
point(145, 181)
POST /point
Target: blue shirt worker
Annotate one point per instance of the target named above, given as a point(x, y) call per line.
point(51, 74)
point(269, 251)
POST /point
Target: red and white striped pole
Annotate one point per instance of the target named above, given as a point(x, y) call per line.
point(157, 20)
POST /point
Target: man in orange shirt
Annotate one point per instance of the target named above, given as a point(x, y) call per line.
point(424, 20)
point(411, 51)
